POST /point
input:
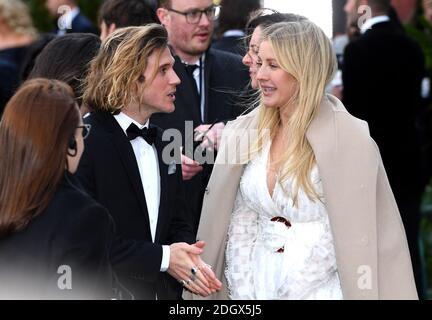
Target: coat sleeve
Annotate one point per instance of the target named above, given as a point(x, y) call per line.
point(395, 273)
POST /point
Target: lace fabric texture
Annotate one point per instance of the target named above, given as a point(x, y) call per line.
point(306, 269)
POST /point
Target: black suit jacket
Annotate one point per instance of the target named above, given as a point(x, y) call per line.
point(225, 78)
point(109, 172)
point(233, 44)
point(382, 76)
point(72, 231)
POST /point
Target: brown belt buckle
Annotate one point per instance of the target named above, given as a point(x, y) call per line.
point(286, 223)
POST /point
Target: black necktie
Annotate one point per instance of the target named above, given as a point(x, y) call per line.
point(149, 135)
point(190, 68)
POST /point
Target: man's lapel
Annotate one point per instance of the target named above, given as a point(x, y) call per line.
point(163, 171)
point(184, 93)
point(127, 156)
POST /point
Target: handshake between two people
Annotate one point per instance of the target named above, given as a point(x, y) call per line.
point(191, 271)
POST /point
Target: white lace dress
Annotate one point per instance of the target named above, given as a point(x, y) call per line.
point(269, 260)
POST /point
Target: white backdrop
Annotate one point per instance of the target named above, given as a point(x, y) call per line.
point(319, 11)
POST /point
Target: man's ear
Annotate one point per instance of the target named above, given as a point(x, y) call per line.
point(112, 28)
point(163, 15)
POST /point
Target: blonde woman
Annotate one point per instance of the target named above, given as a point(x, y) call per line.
point(307, 211)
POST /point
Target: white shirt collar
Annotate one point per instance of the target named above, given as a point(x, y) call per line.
point(234, 33)
point(197, 63)
point(373, 21)
point(125, 121)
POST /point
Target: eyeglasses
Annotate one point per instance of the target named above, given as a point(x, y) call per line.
point(86, 130)
point(194, 16)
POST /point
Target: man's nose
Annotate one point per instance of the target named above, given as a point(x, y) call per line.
point(204, 20)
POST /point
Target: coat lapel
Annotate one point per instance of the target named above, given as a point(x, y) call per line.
point(127, 156)
point(164, 187)
point(207, 69)
point(185, 92)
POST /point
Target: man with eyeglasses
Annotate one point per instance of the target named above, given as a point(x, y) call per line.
point(207, 97)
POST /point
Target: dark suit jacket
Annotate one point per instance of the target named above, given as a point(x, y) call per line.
point(8, 82)
point(382, 76)
point(233, 44)
point(73, 230)
point(109, 172)
point(225, 78)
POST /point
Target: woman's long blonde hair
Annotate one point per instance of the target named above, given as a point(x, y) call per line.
point(120, 63)
point(306, 53)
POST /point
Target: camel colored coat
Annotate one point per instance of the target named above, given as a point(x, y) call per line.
point(372, 254)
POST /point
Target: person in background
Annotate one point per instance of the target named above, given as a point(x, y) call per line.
point(72, 54)
point(55, 240)
point(232, 22)
point(69, 17)
point(207, 96)
point(382, 76)
point(16, 34)
point(258, 21)
point(114, 14)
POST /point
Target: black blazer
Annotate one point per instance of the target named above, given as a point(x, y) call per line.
point(225, 78)
point(109, 172)
point(382, 75)
point(233, 44)
point(72, 231)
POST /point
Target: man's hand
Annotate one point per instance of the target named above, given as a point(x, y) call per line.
point(189, 167)
point(210, 136)
point(183, 268)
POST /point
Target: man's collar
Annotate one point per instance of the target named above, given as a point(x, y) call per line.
point(234, 33)
point(201, 58)
point(373, 21)
point(125, 121)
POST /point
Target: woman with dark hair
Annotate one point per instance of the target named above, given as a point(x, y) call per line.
point(258, 21)
point(72, 54)
point(54, 239)
point(232, 22)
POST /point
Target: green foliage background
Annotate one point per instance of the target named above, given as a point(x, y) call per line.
point(44, 22)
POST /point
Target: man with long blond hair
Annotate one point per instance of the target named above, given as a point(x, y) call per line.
point(123, 168)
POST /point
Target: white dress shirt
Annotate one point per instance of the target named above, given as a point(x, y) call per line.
point(148, 165)
point(196, 75)
point(65, 21)
point(372, 21)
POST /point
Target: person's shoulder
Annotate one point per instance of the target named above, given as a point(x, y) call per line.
point(224, 56)
point(83, 24)
point(76, 205)
point(346, 122)
point(244, 120)
point(98, 120)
